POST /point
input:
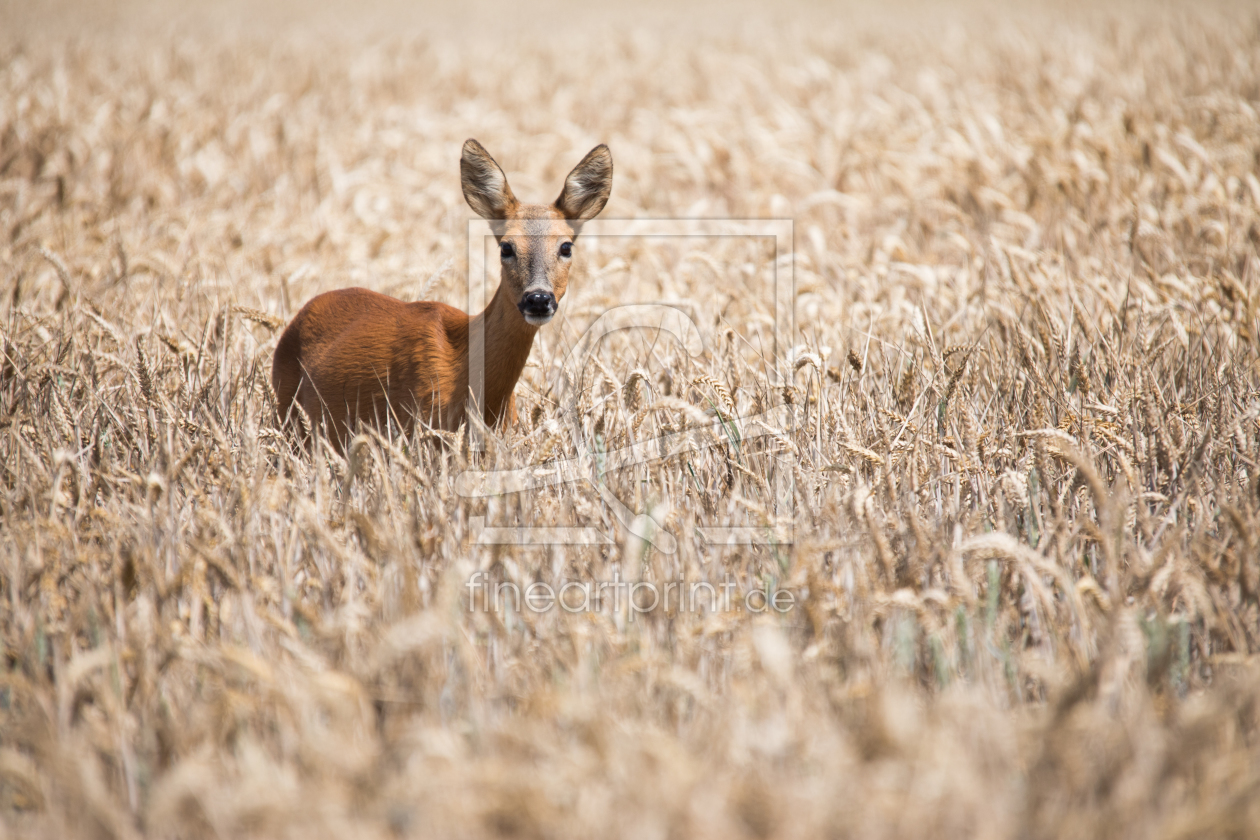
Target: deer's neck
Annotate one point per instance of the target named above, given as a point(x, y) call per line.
point(508, 340)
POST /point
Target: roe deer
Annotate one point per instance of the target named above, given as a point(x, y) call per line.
point(355, 355)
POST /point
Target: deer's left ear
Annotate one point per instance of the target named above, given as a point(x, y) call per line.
point(588, 186)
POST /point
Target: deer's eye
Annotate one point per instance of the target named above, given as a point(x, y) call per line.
point(506, 251)
point(566, 249)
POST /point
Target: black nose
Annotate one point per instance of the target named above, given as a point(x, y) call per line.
point(538, 304)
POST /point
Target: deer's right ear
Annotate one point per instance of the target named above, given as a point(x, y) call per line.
point(485, 186)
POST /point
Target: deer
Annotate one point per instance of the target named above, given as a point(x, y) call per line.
point(355, 356)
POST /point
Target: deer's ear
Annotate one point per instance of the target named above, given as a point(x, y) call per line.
point(588, 186)
point(485, 186)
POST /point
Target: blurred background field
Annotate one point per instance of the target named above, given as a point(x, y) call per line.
point(1026, 454)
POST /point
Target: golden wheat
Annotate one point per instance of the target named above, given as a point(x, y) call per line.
point(1025, 510)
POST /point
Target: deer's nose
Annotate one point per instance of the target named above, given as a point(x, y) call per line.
point(538, 305)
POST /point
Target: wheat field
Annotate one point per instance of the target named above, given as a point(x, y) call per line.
point(1020, 437)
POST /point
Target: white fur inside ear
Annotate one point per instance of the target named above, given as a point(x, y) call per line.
point(486, 177)
point(581, 188)
point(485, 186)
point(588, 186)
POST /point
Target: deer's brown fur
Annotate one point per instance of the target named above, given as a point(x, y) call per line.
point(356, 356)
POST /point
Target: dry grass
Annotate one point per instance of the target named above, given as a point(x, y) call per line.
point(1026, 462)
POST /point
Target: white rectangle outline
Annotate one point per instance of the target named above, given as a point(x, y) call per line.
point(781, 230)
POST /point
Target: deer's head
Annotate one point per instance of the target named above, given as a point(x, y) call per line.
point(536, 241)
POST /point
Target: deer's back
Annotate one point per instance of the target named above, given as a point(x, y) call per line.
point(357, 354)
